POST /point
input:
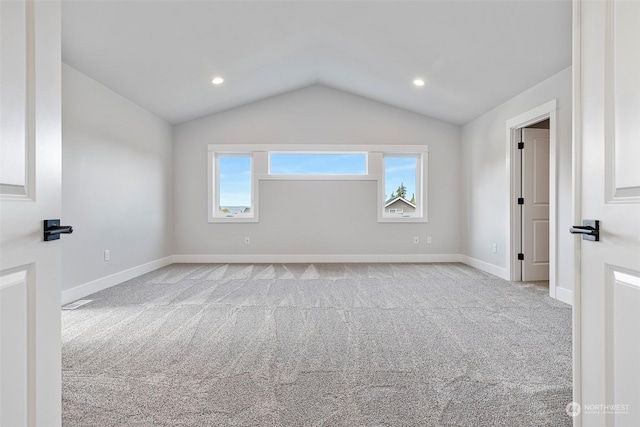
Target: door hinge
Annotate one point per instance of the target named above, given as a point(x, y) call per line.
point(520, 257)
point(521, 200)
point(520, 145)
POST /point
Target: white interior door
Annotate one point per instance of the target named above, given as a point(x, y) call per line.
point(535, 210)
point(30, 173)
point(607, 306)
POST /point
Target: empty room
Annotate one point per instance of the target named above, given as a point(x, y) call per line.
point(319, 213)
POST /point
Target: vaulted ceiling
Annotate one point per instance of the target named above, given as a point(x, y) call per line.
point(162, 55)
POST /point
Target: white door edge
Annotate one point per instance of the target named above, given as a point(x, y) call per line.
point(576, 183)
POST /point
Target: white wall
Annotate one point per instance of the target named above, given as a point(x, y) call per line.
point(485, 177)
point(316, 115)
point(134, 186)
point(116, 180)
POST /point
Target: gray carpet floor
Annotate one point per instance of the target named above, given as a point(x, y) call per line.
point(317, 345)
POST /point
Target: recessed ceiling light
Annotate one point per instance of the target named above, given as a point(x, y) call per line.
point(217, 80)
point(418, 82)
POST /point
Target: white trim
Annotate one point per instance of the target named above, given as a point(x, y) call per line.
point(564, 295)
point(374, 172)
point(311, 177)
point(315, 258)
point(421, 192)
point(213, 190)
point(501, 272)
point(400, 219)
point(547, 110)
point(576, 183)
point(81, 291)
point(317, 148)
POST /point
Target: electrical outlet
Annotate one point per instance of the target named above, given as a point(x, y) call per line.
point(494, 248)
point(247, 240)
point(428, 239)
point(416, 239)
point(107, 255)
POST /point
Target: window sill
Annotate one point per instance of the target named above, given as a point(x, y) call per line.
point(411, 219)
point(233, 219)
point(317, 177)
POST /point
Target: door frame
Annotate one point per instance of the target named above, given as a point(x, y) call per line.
point(547, 110)
point(576, 190)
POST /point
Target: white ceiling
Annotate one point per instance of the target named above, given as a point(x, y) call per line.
point(163, 54)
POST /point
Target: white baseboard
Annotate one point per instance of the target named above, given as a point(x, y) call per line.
point(485, 266)
point(317, 258)
point(85, 289)
point(564, 295)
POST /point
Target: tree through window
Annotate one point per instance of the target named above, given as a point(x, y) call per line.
point(401, 184)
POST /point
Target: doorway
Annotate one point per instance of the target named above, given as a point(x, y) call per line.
point(534, 201)
point(533, 118)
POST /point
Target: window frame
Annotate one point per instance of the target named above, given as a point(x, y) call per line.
point(214, 189)
point(421, 182)
point(375, 154)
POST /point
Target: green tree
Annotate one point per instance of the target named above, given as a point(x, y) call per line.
point(401, 191)
point(413, 198)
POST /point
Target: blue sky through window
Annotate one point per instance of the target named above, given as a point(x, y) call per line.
point(318, 164)
point(399, 170)
point(235, 181)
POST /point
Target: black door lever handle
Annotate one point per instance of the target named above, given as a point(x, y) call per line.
point(590, 230)
point(53, 229)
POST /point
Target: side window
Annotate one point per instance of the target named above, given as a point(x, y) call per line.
point(232, 178)
point(402, 185)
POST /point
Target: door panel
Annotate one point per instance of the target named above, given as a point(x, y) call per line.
point(13, 82)
point(535, 211)
point(540, 253)
point(540, 146)
point(16, 327)
point(30, 145)
point(625, 93)
point(623, 318)
point(607, 308)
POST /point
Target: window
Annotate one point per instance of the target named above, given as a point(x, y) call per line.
point(402, 185)
point(232, 179)
point(317, 163)
point(398, 173)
